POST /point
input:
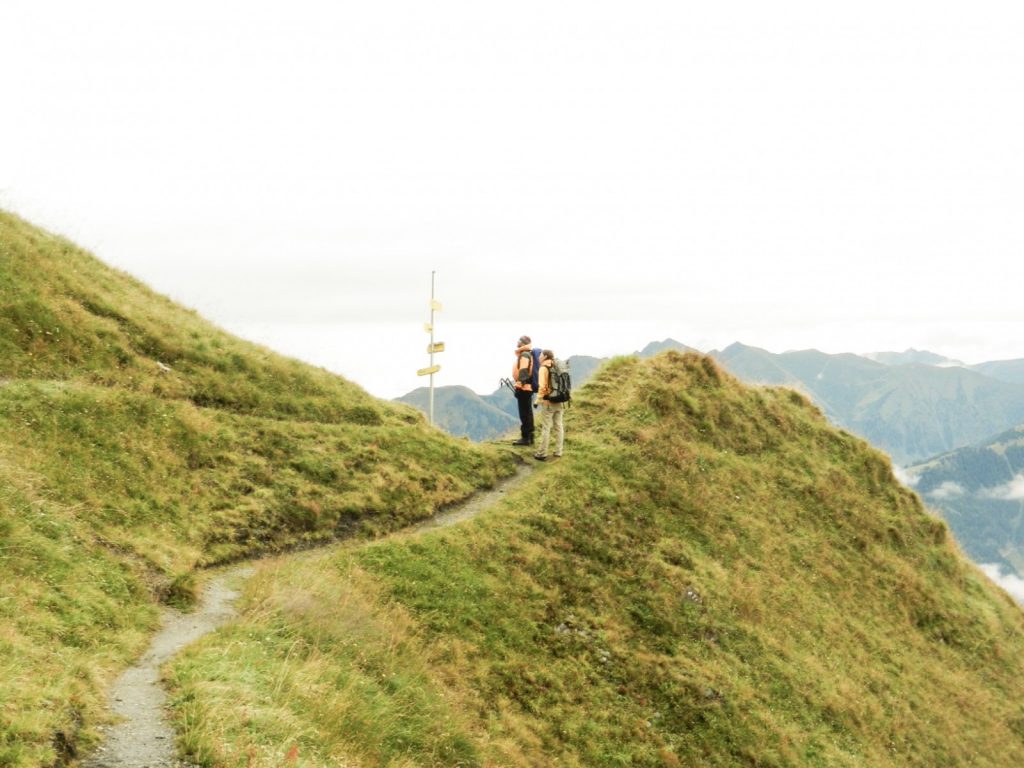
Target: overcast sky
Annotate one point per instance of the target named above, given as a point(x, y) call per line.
point(845, 176)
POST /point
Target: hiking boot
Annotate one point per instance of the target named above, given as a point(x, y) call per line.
point(538, 457)
point(523, 442)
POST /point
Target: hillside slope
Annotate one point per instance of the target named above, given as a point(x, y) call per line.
point(138, 443)
point(712, 576)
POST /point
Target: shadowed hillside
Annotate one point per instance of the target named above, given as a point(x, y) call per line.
point(713, 575)
point(139, 443)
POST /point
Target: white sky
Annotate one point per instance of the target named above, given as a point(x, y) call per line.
point(599, 175)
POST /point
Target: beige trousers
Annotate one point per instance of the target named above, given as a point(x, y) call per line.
point(551, 415)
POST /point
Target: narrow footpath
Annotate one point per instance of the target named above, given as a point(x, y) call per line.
point(143, 737)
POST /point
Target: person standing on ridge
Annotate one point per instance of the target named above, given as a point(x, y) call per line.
point(552, 413)
point(522, 375)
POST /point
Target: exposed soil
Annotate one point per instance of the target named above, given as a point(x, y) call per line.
point(144, 738)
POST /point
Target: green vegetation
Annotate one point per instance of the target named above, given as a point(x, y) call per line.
point(138, 444)
point(712, 576)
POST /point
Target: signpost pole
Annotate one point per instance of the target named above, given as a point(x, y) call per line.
point(433, 272)
point(432, 348)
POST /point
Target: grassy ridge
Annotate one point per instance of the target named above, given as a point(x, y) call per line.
point(65, 316)
point(139, 443)
point(712, 576)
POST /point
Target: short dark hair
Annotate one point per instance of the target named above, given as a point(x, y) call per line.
point(547, 354)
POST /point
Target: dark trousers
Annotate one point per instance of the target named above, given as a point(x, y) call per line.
point(524, 400)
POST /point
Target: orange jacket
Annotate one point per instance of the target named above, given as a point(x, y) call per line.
point(523, 361)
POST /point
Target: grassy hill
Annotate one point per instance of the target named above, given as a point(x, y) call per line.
point(138, 443)
point(712, 576)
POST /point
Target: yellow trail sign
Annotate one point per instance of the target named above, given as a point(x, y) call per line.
point(428, 371)
point(438, 347)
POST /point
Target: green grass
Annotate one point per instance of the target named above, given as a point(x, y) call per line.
point(712, 576)
point(138, 444)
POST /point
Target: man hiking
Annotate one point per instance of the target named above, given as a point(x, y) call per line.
point(523, 376)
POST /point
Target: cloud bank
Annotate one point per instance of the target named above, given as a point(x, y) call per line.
point(905, 476)
point(1011, 491)
point(1011, 582)
point(948, 490)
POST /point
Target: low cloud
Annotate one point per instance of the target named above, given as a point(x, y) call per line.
point(1011, 491)
point(948, 490)
point(1011, 582)
point(905, 476)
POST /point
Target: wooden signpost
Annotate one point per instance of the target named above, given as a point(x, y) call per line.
point(433, 347)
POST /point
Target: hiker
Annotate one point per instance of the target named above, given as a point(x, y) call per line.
point(524, 376)
point(551, 413)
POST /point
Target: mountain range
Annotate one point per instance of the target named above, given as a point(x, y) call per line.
point(980, 491)
point(913, 411)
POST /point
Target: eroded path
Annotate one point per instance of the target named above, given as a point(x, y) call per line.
point(144, 737)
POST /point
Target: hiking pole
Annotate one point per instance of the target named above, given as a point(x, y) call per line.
point(508, 383)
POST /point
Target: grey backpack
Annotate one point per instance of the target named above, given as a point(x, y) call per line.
point(560, 382)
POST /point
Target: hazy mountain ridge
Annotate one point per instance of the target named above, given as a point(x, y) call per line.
point(463, 413)
point(1004, 370)
point(913, 356)
point(980, 491)
point(912, 411)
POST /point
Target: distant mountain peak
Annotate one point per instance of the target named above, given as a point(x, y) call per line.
point(913, 356)
point(656, 347)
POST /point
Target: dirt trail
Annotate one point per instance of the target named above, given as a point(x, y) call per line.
point(144, 737)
